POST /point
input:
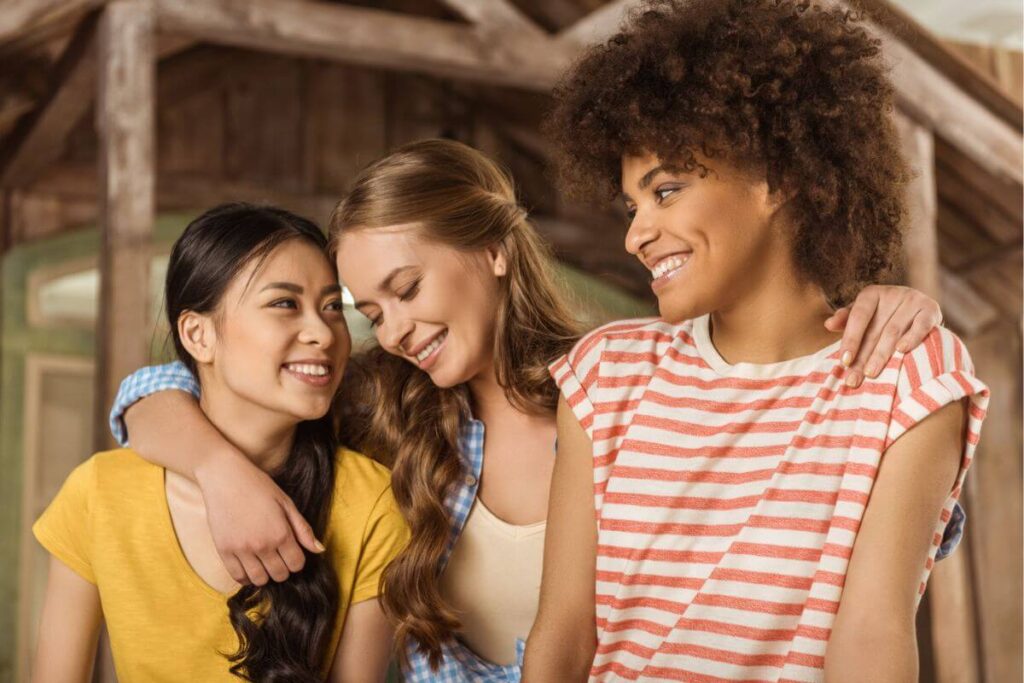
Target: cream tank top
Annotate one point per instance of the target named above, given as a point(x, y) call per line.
point(493, 582)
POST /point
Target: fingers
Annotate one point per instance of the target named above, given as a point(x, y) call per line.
point(303, 531)
point(864, 311)
point(901, 321)
point(292, 555)
point(254, 570)
point(275, 566)
point(235, 569)
point(838, 319)
point(921, 328)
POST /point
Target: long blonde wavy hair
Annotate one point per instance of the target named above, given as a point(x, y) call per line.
point(455, 196)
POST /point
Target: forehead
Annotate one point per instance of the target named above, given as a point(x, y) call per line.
point(634, 167)
point(366, 257)
point(295, 261)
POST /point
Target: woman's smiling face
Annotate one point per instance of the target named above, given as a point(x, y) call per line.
point(281, 339)
point(431, 304)
point(707, 241)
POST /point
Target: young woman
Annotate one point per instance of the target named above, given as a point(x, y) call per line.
point(756, 517)
point(441, 259)
point(255, 314)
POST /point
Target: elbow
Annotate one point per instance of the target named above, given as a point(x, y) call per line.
point(878, 648)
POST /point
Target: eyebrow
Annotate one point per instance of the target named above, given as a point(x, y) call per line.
point(292, 287)
point(385, 284)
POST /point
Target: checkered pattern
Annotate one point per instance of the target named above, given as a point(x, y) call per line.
point(144, 382)
point(460, 665)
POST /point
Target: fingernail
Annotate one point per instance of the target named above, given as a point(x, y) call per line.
point(902, 348)
point(872, 370)
point(847, 358)
point(320, 547)
point(852, 380)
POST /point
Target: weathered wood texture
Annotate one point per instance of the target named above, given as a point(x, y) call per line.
point(373, 37)
point(125, 116)
point(1003, 65)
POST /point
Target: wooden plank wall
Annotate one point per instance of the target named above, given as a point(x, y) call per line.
point(1005, 65)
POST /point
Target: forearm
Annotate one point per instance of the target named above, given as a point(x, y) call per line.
point(556, 653)
point(170, 430)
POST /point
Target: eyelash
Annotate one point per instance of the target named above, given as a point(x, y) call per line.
point(335, 305)
point(662, 194)
point(408, 295)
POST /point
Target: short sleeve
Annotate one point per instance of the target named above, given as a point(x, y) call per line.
point(385, 536)
point(65, 527)
point(936, 373)
point(142, 383)
point(576, 376)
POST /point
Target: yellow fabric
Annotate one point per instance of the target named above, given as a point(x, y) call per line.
point(110, 523)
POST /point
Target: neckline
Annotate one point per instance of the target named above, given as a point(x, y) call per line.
point(793, 366)
point(175, 544)
point(517, 531)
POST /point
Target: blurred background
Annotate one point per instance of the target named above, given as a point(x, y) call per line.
point(121, 119)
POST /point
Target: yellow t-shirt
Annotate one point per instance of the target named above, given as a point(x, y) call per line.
point(110, 524)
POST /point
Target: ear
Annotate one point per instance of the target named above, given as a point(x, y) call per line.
point(198, 335)
point(498, 260)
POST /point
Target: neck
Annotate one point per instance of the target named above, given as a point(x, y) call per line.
point(264, 436)
point(779, 319)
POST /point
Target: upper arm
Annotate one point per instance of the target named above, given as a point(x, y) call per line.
point(69, 627)
point(896, 537)
point(565, 626)
point(146, 382)
point(365, 647)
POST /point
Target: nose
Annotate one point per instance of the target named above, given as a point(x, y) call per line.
point(642, 231)
point(316, 331)
point(393, 331)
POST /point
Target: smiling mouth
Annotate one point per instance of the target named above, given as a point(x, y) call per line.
point(669, 266)
point(432, 347)
point(315, 374)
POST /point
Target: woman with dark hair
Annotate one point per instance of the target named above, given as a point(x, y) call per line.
point(758, 516)
point(255, 313)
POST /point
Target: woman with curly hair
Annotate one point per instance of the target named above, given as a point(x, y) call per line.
point(757, 516)
point(457, 398)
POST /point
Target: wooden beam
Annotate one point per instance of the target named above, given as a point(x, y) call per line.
point(920, 240)
point(22, 16)
point(125, 119)
point(599, 24)
point(372, 37)
point(38, 140)
point(936, 101)
point(497, 15)
point(966, 311)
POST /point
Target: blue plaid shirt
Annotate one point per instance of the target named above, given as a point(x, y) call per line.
point(460, 664)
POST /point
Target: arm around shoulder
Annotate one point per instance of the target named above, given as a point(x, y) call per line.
point(563, 638)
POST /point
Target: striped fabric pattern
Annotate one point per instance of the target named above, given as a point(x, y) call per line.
point(728, 497)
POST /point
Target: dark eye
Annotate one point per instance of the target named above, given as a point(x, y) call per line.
point(284, 303)
point(663, 193)
point(335, 305)
point(630, 213)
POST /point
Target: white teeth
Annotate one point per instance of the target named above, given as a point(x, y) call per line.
point(308, 369)
point(431, 347)
point(667, 266)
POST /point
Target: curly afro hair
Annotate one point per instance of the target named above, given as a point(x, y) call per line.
point(793, 90)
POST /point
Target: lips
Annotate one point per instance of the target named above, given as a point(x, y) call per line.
point(667, 266)
point(426, 353)
point(317, 374)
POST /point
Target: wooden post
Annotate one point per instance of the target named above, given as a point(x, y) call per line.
point(950, 592)
point(125, 115)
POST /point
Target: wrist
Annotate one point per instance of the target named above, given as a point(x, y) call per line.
point(211, 464)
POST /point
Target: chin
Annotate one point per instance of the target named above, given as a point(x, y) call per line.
point(674, 311)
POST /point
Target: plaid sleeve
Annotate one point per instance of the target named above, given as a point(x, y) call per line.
point(142, 383)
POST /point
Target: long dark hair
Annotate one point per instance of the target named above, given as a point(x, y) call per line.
point(284, 629)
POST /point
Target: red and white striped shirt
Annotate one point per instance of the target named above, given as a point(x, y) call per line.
point(728, 497)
